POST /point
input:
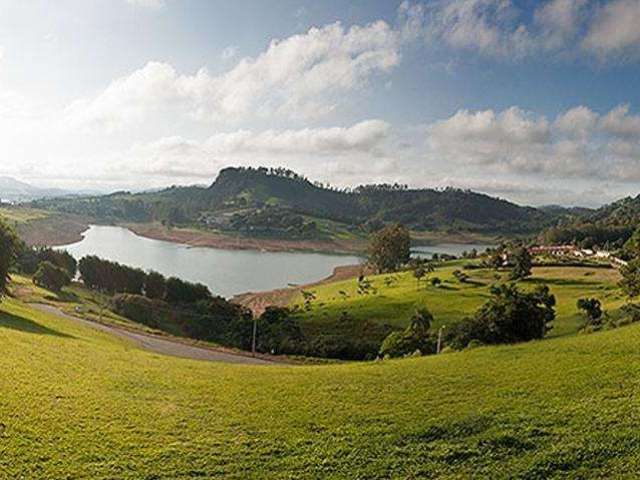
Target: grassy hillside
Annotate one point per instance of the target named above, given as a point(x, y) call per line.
point(77, 403)
point(452, 301)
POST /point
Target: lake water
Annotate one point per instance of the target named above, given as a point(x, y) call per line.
point(449, 248)
point(225, 272)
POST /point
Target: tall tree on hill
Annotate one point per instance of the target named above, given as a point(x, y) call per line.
point(390, 248)
point(630, 282)
point(522, 264)
point(8, 252)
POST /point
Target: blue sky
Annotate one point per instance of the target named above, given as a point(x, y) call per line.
point(534, 101)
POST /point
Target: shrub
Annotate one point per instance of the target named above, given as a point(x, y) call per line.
point(592, 309)
point(414, 338)
point(151, 312)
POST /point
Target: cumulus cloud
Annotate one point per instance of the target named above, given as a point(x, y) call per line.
point(177, 155)
point(614, 30)
point(579, 143)
point(504, 28)
point(302, 76)
point(154, 4)
point(229, 53)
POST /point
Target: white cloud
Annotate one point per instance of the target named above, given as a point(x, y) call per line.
point(615, 30)
point(229, 53)
point(318, 150)
point(153, 4)
point(503, 28)
point(303, 76)
point(362, 137)
point(619, 122)
point(579, 144)
point(579, 121)
point(559, 21)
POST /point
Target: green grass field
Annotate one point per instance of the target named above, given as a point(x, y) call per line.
point(77, 403)
point(452, 300)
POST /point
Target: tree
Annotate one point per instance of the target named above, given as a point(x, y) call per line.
point(8, 252)
point(60, 258)
point(51, 277)
point(179, 291)
point(419, 273)
point(521, 264)
point(416, 337)
point(390, 248)
point(278, 331)
point(630, 282)
point(435, 281)
point(632, 246)
point(155, 285)
point(592, 309)
point(509, 316)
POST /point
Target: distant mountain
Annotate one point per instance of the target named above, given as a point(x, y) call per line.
point(281, 203)
point(13, 190)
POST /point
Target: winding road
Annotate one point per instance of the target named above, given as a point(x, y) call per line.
point(163, 345)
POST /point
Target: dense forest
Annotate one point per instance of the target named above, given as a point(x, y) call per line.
point(608, 227)
point(280, 203)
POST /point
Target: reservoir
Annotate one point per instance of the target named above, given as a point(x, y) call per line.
point(225, 272)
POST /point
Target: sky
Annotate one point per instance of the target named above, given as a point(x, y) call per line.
point(533, 101)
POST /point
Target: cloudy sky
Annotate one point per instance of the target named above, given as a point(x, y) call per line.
point(534, 101)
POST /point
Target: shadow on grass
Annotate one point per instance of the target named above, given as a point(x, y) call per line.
point(21, 324)
point(66, 297)
point(562, 281)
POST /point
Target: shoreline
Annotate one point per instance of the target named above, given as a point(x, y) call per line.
point(198, 238)
point(257, 302)
point(53, 231)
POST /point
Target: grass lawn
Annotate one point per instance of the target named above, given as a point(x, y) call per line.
point(77, 403)
point(452, 300)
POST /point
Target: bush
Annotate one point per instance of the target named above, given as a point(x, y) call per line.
point(151, 312)
point(592, 309)
point(278, 331)
point(213, 320)
point(51, 277)
point(414, 338)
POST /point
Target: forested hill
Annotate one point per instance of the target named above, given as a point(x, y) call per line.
point(609, 226)
point(279, 201)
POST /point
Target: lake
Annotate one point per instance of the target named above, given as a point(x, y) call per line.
point(449, 248)
point(225, 272)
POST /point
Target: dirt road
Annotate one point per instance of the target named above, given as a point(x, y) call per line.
point(163, 345)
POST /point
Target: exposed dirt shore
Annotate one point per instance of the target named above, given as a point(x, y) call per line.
point(199, 238)
point(54, 230)
point(257, 302)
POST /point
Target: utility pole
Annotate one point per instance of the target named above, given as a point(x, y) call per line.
point(253, 340)
point(439, 347)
